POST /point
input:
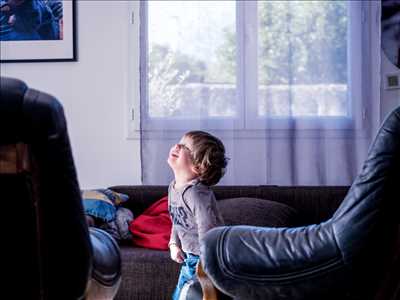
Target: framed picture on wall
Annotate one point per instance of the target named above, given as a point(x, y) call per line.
point(37, 30)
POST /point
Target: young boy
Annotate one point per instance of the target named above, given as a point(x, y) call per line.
point(198, 162)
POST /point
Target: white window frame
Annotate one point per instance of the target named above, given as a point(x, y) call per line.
point(361, 31)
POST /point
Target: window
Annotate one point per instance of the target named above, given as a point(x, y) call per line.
point(250, 64)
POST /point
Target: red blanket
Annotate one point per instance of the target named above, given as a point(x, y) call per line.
point(152, 229)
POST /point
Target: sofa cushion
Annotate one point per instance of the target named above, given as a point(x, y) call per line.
point(257, 212)
point(152, 229)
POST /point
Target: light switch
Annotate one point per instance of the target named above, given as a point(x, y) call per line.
point(392, 81)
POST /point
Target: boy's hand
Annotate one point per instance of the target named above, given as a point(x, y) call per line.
point(176, 253)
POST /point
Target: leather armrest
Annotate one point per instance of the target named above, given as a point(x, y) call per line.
point(248, 262)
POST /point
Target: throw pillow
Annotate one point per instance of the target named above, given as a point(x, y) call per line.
point(152, 229)
point(256, 212)
point(101, 203)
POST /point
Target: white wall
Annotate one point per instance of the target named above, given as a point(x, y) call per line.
point(94, 94)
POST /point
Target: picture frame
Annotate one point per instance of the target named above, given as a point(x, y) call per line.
point(53, 40)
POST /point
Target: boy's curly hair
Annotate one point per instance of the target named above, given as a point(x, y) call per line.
point(208, 156)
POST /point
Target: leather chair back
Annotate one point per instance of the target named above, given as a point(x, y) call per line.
point(47, 247)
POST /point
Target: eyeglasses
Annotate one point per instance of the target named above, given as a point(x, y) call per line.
point(184, 147)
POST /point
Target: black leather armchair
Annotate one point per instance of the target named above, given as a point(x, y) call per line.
point(48, 248)
point(353, 255)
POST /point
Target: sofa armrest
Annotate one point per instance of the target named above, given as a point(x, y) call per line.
point(247, 262)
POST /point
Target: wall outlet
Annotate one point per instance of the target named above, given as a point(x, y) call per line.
point(392, 81)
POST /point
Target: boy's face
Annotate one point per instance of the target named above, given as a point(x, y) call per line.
point(180, 157)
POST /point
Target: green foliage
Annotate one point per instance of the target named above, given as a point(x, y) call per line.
point(225, 69)
point(299, 42)
point(193, 69)
point(302, 42)
point(165, 78)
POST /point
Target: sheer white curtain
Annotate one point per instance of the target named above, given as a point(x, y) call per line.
point(288, 86)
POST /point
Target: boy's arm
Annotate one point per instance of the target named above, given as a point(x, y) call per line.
point(174, 247)
point(174, 239)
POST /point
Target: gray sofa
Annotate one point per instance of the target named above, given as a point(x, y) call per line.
point(151, 274)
